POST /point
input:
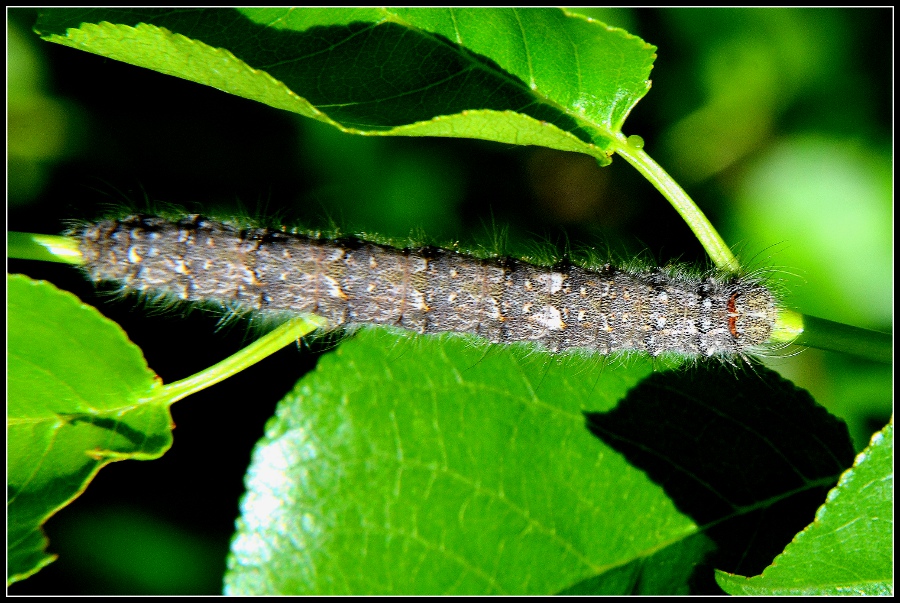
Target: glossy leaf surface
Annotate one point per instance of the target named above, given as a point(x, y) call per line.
point(432, 465)
point(75, 386)
point(517, 76)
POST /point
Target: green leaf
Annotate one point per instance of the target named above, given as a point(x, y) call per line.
point(848, 549)
point(430, 465)
point(76, 389)
point(517, 76)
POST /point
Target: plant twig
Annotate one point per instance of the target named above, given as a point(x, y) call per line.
point(712, 242)
point(261, 348)
point(825, 334)
point(47, 248)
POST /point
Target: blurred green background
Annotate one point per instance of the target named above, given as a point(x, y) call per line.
point(776, 121)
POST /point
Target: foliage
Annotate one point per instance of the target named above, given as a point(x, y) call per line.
point(75, 388)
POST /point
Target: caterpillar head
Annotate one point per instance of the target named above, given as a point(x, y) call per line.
point(751, 316)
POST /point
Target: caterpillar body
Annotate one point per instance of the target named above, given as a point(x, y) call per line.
point(427, 289)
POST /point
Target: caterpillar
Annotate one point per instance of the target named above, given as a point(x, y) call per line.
point(350, 281)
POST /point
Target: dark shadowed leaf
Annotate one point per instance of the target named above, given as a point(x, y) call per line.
point(518, 76)
point(746, 454)
point(848, 549)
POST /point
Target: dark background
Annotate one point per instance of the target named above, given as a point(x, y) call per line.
point(747, 107)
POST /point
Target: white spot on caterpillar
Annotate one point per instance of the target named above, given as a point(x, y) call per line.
point(553, 282)
point(550, 318)
point(334, 289)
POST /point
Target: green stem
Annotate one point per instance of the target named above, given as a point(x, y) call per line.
point(47, 248)
point(261, 348)
point(823, 334)
point(707, 235)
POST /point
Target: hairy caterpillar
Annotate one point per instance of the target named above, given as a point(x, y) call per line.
point(430, 290)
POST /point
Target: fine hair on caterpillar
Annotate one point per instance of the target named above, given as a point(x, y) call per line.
point(351, 281)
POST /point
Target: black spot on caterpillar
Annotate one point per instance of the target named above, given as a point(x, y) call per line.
point(349, 281)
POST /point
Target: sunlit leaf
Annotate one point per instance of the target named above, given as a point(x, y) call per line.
point(75, 387)
point(518, 76)
point(429, 465)
point(439, 467)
